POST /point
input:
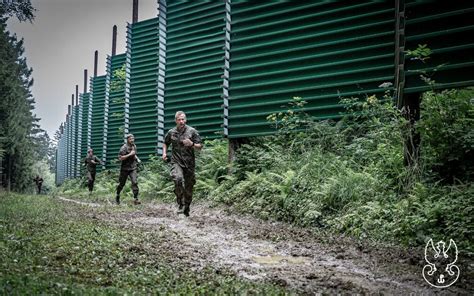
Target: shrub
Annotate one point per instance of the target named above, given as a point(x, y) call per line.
point(447, 134)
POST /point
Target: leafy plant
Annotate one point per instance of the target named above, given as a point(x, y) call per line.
point(447, 134)
point(421, 53)
point(117, 82)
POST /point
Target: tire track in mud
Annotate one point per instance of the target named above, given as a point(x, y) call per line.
point(272, 251)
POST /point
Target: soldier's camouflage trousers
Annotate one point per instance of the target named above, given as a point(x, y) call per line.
point(123, 178)
point(184, 180)
point(90, 180)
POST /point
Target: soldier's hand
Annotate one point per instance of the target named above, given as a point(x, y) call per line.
point(164, 156)
point(188, 142)
point(132, 153)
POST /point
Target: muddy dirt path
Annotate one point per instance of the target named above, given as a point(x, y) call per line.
point(294, 257)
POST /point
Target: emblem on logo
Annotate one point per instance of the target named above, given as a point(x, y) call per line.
point(440, 272)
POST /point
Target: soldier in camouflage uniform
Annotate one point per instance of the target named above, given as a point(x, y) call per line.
point(184, 140)
point(91, 162)
point(39, 182)
point(128, 157)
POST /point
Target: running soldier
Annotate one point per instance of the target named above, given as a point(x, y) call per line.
point(128, 157)
point(91, 162)
point(39, 182)
point(184, 140)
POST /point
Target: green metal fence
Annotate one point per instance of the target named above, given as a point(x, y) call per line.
point(141, 92)
point(229, 64)
point(194, 64)
point(315, 50)
point(116, 109)
point(60, 161)
point(86, 116)
point(67, 147)
point(76, 142)
point(447, 28)
point(97, 101)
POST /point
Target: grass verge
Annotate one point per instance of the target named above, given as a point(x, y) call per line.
point(48, 246)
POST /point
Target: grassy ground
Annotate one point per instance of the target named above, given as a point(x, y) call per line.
point(47, 246)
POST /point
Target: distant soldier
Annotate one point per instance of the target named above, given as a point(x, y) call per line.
point(184, 140)
point(39, 182)
point(91, 162)
point(128, 157)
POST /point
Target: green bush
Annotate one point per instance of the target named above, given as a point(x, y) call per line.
point(447, 134)
point(349, 176)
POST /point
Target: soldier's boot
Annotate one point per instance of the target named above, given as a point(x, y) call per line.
point(180, 209)
point(117, 199)
point(90, 186)
point(179, 192)
point(186, 210)
point(135, 199)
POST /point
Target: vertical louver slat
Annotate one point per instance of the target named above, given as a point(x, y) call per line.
point(79, 138)
point(67, 127)
point(58, 164)
point(61, 160)
point(226, 75)
point(71, 145)
point(75, 149)
point(128, 66)
point(105, 131)
point(162, 36)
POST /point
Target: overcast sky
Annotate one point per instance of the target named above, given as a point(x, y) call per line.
point(60, 44)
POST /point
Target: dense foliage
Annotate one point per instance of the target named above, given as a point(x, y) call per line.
point(347, 176)
point(447, 132)
point(21, 9)
point(25, 149)
point(16, 118)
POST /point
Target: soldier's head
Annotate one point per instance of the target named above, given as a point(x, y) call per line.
point(130, 139)
point(90, 151)
point(180, 119)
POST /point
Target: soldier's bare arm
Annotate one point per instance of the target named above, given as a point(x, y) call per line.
point(165, 149)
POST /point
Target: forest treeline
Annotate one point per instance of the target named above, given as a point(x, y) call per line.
point(25, 149)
